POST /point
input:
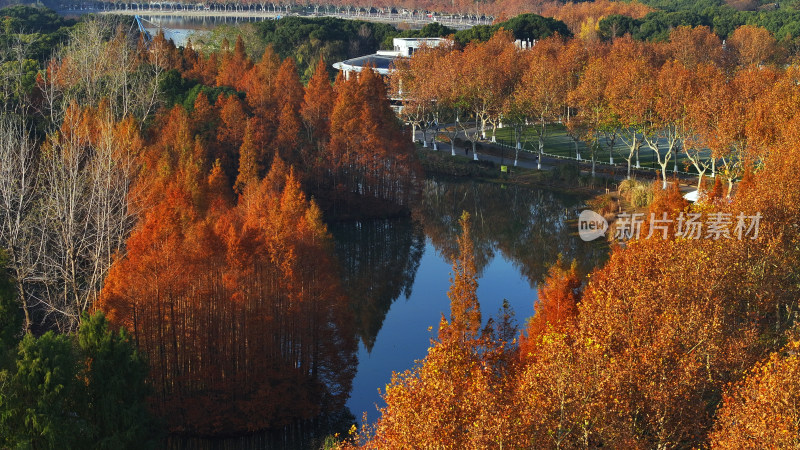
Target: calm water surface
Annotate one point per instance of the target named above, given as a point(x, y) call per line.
point(412, 321)
point(397, 272)
point(181, 29)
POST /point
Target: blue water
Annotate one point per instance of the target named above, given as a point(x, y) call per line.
point(413, 321)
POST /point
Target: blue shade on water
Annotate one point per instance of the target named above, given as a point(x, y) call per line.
point(397, 272)
point(413, 321)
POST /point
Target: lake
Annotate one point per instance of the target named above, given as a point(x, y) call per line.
point(180, 29)
point(397, 272)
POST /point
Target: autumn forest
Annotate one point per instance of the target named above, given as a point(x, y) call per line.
point(170, 271)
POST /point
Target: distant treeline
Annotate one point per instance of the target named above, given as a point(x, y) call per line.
point(782, 21)
point(308, 40)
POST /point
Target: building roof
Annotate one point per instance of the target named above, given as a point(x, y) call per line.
point(420, 39)
point(381, 63)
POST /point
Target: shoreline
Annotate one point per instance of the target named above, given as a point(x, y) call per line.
point(441, 163)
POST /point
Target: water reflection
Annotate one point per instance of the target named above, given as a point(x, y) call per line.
point(310, 434)
point(518, 232)
point(181, 29)
point(379, 261)
point(531, 227)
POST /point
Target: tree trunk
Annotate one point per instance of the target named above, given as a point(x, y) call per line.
point(541, 153)
point(24, 299)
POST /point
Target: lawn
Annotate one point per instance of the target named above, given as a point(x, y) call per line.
point(557, 142)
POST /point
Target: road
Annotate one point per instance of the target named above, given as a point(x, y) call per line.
point(268, 11)
point(528, 160)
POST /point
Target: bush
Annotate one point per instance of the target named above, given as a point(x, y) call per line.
point(604, 205)
point(625, 186)
point(484, 163)
point(586, 181)
point(569, 172)
point(637, 193)
point(642, 195)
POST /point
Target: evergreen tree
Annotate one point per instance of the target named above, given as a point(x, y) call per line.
point(76, 391)
point(115, 391)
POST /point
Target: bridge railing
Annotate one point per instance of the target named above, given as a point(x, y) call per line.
point(178, 8)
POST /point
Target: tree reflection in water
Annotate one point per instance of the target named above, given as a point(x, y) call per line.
point(531, 227)
point(526, 227)
point(379, 261)
point(303, 435)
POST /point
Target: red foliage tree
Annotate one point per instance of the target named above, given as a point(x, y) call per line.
point(234, 66)
point(556, 308)
point(237, 308)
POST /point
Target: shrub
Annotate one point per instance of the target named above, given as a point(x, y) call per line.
point(569, 172)
point(642, 195)
point(484, 163)
point(637, 193)
point(586, 181)
point(604, 205)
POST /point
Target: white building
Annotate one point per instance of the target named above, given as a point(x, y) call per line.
point(382, 61)
point(406, 46)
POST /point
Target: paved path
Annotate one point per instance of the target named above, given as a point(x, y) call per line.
point(528, 160)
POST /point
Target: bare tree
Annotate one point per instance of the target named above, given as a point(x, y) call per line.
point(100, 62)
point(87, 178)
point(19, 214)
point(65, 207)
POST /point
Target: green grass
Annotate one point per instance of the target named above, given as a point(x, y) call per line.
point(558, 142)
